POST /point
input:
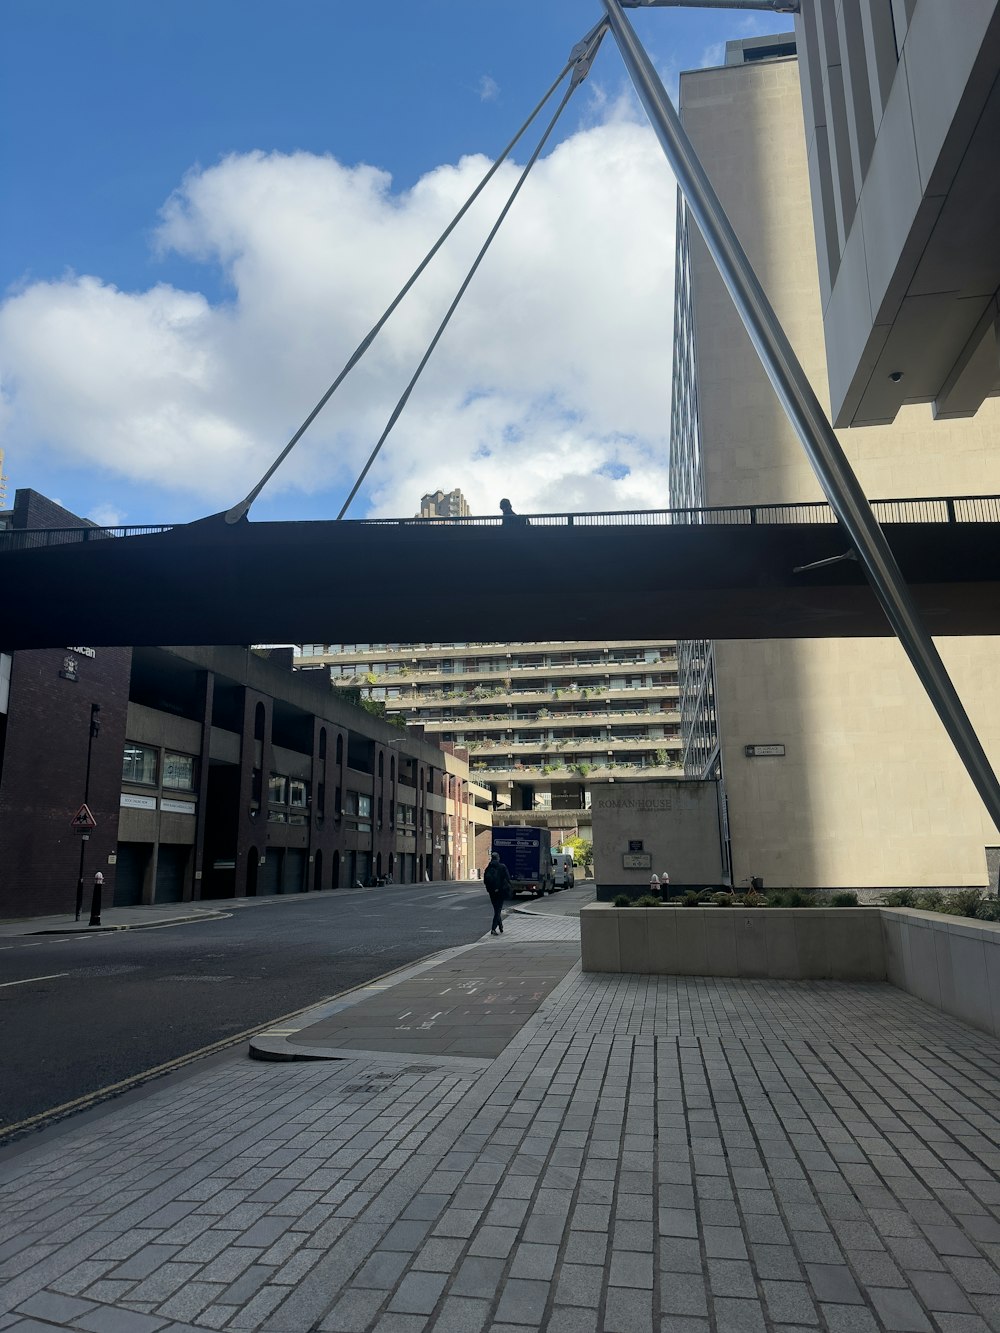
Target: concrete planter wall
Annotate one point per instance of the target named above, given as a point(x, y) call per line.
point(784, 943)
point(950, 962)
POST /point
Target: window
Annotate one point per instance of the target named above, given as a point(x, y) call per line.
point(178, 771)
point(277, 789)
point(298, 793)
point(139, 764)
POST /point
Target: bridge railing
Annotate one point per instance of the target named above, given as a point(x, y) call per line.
point(30, 539)
point(934, 509)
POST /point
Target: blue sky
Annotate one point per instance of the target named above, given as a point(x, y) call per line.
point(155, 354)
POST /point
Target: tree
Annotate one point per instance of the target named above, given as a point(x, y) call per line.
point(582, 849)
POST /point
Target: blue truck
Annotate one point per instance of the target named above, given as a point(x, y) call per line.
point(527, 854)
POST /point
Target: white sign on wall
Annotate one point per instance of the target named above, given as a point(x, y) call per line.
point(138, 802)
point(178, 807)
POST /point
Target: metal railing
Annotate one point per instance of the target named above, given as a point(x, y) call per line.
point(933, 509)
point(31, 539)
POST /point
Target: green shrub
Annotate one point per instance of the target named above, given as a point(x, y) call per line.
point(988, 909)
point(752, 899)
point(796, 899)
point(899, 898)
point(723, 899)
point(929, 901)
point(691, 899)
point(621, 900)
point(775, 899)
point(647, 900)
point(846, 898)
point(963, 903)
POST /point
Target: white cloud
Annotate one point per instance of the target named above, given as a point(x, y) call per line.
point(489, 89)
point(552, 384)
point(713, 55)
point(107, 516)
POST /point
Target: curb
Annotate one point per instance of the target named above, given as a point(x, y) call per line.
point(131, 925)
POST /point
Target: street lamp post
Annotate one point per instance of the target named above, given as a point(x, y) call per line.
point(95, 727)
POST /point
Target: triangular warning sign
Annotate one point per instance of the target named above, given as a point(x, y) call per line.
point(83, 821)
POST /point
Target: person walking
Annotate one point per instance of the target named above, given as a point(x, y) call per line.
point(510, 519)
point(497, 881)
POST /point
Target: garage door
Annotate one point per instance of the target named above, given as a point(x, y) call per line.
point(170, 869)
point(295, 870)
point(269, 874)
point(130, 872)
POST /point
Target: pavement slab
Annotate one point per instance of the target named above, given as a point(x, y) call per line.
point(692, 1155)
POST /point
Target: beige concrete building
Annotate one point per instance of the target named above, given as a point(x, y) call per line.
point(541, 722)
point(855, 783)
point(444, 504)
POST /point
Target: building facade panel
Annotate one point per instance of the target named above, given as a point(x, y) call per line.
point(906, 94)
point(868, 790)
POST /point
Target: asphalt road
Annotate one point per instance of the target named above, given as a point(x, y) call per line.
point(81, 1013)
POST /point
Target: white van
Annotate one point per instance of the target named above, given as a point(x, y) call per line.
point(562, 869)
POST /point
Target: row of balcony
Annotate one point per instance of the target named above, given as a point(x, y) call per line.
point(573, 745)
point(546, 696)
point(504, 722)
point(502, 652)
point(600, 667)
point(563, 772)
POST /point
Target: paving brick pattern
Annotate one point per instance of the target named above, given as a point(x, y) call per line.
point(687, 1155)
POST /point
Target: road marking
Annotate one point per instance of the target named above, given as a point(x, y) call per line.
point(50, 977)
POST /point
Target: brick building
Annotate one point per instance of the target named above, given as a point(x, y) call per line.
point(46, 699)
point(215, 772)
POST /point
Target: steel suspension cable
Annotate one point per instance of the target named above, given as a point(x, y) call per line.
point(583, 68)
point(240, 510)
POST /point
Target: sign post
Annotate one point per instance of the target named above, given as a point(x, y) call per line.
point(82, 822)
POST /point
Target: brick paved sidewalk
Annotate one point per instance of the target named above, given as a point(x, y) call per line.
point(692, 1155)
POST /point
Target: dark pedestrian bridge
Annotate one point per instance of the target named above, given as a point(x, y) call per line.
point(730, 573)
